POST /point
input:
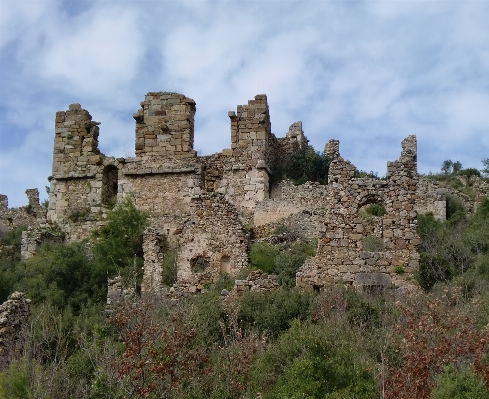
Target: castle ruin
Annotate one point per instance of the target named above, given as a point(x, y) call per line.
point(206, 207)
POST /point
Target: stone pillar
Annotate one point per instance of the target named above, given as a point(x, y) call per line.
point(153, 262)
point(14, 316)
point(165, 126)
point(32, 197)
point(332, 149)
point(75, 140)
point(3, 202)
point(251, 130)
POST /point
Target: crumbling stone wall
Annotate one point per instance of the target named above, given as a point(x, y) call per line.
point(33, 214)
point(344, 254)
point(84, 181)
point(165, 126)
point(213, 241)
point(288, 199)
point(153, 249)
point(257, 281)
point(117, 294)
point(431, 198)
point(14, 317)
point(432, 194)
point(33, 237)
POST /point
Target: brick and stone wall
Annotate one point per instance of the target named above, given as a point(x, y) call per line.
point(354, 244)
point(165, 126)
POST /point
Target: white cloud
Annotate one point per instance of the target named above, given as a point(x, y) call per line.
point(95, 53)
point(18, 16)
point(468, 114)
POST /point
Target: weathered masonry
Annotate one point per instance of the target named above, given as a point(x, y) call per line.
point(365, 250)
point(206, 207)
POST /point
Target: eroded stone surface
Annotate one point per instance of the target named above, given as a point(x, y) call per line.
point(14, 317)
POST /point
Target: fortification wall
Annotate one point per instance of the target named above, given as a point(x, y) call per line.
point(211, 240)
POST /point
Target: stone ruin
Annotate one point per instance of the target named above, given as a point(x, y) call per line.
point(14, 315)
point(207, 208)
point(361, 249)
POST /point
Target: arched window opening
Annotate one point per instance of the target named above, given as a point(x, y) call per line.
point(371, 206)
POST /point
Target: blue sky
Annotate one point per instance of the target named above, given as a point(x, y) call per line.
point(368, 73)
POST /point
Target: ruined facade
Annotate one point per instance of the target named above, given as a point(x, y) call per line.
point(361, 249)
point(207, 207)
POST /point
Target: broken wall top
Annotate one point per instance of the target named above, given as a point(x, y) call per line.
point(165, 126)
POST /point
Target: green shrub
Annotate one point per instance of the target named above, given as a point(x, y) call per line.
point(307, 165)
point(63, 275)
point(9, 257)
point(432, 269)
point(375, 210)
point(273, 313)
point(118, 247)
point(313, 361)
point(262, 256)
point(289, 261)
point(459, 384)
point(14, 381)
point(455, 208)
point(170, 267)
point(469, 172)
point(399, 269)
point(207, 316)
point(361, 312)
point(280, 229)
point(483, 316)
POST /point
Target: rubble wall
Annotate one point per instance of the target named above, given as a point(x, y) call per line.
point(165, 126)
point(32, 214)
point(209, 241)
point(14, 317)
point(345, 254)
